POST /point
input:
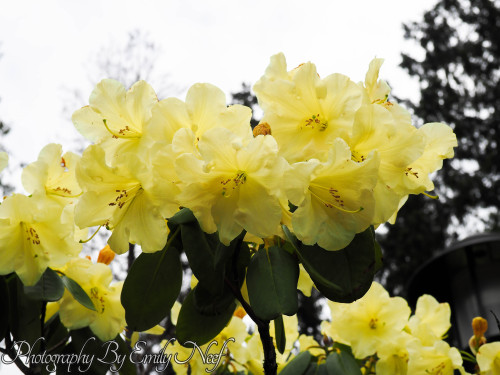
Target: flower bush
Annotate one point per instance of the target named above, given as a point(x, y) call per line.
point(257, 213)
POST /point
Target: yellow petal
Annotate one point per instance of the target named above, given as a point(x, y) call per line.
point(4, 160)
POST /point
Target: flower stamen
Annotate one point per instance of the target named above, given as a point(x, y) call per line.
point(333, 198)
point(231, 184)
point(122, 132)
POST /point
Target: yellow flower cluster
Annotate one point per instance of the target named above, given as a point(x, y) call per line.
point(344, 155)
point(331, 158)
point(340, 152)
point(379, 326)
point(384, 338)
point(243, 354)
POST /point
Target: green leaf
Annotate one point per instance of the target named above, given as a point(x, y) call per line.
point(183, 216)
point(298, 365)
point(128, 367)
point(209, 304)
point(272, 283)
point(234, 258)
point(312, 369)
point(279, 331)
point(151, 288)
point(343, 275)
point(24, 317)
point(49, 288)
point(342, 363)
point(194, 326)
point(200, 248)
point(223, 253)
point(55, 333)
point(5, 306)
point(378, 257)
point(322, 369)
point(77, 292)
point(85, 342)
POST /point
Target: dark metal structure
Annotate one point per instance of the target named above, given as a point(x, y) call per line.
point(467, 276)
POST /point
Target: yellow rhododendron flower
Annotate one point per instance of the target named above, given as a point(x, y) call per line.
point(305, 283)
point(431, 320)
point(488, 359)
point(235, 186)
point(439, 143)
point(377, 90)
point(53, 177)
point(306, 113)
point(397, 145)
point(115, 118)
point(174, 312)
point(120, 199)
point(205, 108)
point(291, 325)
point(393, 355)
point(109, 318)
point(33, 237)
point(370, 322)
point(4, 160)
point(439, 359)
point(310, 344)
point(53, 173)
point(334, 198)
point(229, 343)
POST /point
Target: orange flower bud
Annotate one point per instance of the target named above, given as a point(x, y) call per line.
point(263, 128)
point(106, 255)
point(475, 343)
point(479, 326)
point(240, 312)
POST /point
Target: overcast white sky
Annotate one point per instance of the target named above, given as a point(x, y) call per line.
point(47, 46)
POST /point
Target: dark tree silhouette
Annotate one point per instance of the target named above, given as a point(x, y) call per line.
point(246, 97)
point(459, 81)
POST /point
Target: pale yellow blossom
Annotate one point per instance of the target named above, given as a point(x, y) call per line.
point(369, 323)
point(439, 359)
point(306, 113)
point(33, 237)
point(4, 160)
point(431, 320)
point(115, 117)
point(118, 198)
point(235, 186)
point(488, 358)
point(334, 198)
point(109, 318)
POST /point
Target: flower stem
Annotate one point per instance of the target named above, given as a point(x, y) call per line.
point(270, 365)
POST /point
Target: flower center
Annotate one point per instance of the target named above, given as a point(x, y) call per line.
point(125, 195)
point(126, 132)
point(409, 171)
point(31, 235)
point(357, 156)
point(438, 370)
point(373, 323)
point(315, 122)
point(330, 197)
point(232, 183)
point(97, 299)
